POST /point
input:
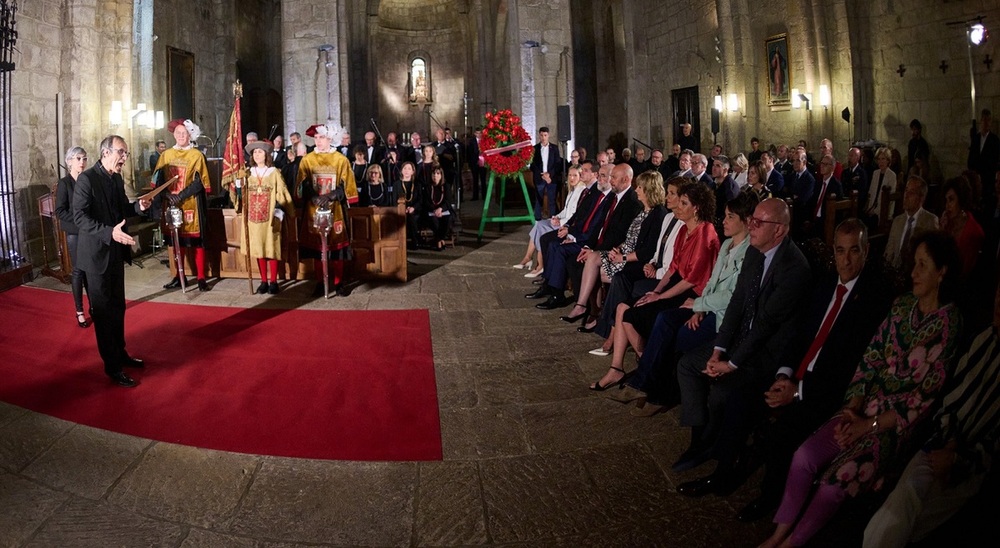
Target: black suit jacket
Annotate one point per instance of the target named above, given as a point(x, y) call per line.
point(856, 179)
point(583, 206)
point(778, 308)
point(555, 164)
point(472, 154)
point(621, 218)
point(866, 306)
point(649, 235)
point(810, 212)
point(775, 181)
point(589, 208)
point(64, 205)
point(99, 203)
point(803, 188)
point(984, 162)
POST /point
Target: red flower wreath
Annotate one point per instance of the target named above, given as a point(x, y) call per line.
point(502, 128)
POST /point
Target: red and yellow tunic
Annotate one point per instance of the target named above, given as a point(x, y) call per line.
point(184, 163)
point(319, 174)
point(266, 191)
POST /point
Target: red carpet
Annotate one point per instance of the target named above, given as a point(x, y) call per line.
point(354, 385)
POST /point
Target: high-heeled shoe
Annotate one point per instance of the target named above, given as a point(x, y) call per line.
point(578, 317)
point(597, 387)
point(584, 329)
point(81, 320)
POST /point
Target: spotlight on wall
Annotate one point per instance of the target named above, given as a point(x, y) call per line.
point(115, 114)
point(978, 34)
point(733, 103)
point(824, 96)
point(718, 98)
point(796, 101)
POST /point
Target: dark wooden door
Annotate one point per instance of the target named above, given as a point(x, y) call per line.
point(686, 111)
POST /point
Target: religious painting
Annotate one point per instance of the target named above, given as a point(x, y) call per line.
point(180, 83)
point(779, 73)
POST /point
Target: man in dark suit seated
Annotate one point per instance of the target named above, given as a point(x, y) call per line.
point(855, 177)
point(813, 215)
point(802, 182)
point(818, 363)
point(699, 171)
point(762, 314)
point(100, 208)
point(589, 216)
point(775, 180)
point(622, 207)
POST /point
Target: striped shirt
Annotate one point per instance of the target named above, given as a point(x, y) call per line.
point(970, 411)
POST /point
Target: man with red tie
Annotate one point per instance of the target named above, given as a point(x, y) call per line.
point(819, 361)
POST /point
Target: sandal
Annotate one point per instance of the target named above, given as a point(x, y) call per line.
point(597, 387)
point(81, 320)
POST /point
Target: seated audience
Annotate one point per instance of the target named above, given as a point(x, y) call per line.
point(762, 314)
point(678, 330)
point(914, 220)
point(638, 247)
point(578, 178)
point(884, 177)
point(756, 179)
point(622, 207)
point(697, 248)
point(958, 221)
point(894, 389)
point(814, 370)
point(950, 469)
point(438, 214)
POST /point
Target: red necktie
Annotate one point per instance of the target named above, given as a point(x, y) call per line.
point(593, 212)
point(607, 220)
point(820, 199)
point(824, 330)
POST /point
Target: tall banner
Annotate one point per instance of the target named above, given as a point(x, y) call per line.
point(232, 156)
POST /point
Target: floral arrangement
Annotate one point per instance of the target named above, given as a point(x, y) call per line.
point(502, 128)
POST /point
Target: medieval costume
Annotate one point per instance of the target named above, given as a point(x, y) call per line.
point(188, 193)
point(325, 179)
point(267, 201)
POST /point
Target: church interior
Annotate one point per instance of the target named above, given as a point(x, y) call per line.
point(529, 456)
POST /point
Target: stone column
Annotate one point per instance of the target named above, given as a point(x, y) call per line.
point(312, 76)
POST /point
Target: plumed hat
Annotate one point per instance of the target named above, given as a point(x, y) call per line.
point(192, 128)
point(330, 129)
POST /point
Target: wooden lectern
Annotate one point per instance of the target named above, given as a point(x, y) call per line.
point(46, 208)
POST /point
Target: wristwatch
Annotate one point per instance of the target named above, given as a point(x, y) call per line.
point(875, 425)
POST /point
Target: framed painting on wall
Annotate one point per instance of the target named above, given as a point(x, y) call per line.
point(779, 74)
point(180, 83)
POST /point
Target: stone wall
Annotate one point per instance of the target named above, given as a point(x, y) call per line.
point(853, 47)
point(94, 52)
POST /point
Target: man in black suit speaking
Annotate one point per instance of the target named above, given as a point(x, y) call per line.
point(100, 208)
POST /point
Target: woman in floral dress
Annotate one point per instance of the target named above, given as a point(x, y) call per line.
point(893, 390)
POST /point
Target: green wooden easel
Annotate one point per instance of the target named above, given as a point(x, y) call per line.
point(529, 216)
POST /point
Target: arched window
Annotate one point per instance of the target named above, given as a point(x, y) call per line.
point(419, 83)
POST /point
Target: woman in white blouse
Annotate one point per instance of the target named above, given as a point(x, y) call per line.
point(548, 225)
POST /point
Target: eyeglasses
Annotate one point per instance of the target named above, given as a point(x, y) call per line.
point(755, 222)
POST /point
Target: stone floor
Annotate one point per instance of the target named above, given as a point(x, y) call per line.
point(531, 457)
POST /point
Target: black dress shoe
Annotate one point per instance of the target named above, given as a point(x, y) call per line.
point(553, 302)
point(341, 290)
point(272, 288)
point(121, 379)
point(262, 288)
point(129, 361)
point(538, 294)
point(758, 508)
point(202, 285)
point(173, 284)
point(699, 487)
